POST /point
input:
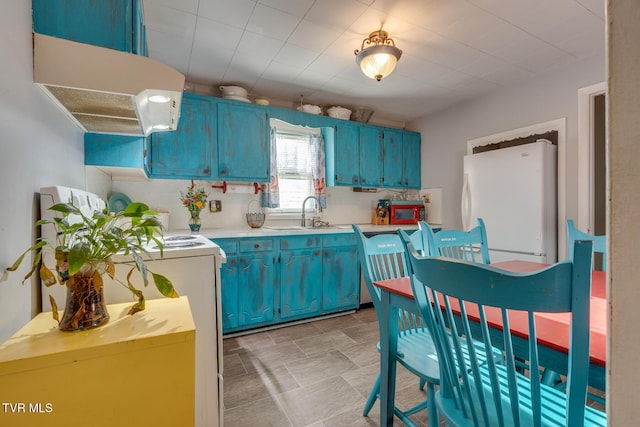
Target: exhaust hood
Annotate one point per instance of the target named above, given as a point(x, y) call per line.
point(106, 90)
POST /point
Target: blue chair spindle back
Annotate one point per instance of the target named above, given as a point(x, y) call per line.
point(495, 393)
point(599, 243)
point(464, 245)
point(383, 257)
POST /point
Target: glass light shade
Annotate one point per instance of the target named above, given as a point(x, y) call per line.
point(377, 62)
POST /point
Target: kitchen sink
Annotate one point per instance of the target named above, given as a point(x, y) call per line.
point(299, 227)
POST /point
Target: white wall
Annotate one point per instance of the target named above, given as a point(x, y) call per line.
point(39, 146)
point(549, 97)
point(343, 205)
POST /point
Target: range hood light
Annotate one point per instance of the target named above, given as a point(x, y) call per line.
point(161, 99)
point(160, 127)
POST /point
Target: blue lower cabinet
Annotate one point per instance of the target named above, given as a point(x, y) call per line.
point(255, 289)
point(300, 277)
point(229, 294)
point(340, 273)
point(247, 284)
point(315, 275)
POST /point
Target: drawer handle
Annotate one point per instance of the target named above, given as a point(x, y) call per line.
point(256, 246)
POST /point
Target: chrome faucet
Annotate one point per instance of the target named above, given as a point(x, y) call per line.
point(317, 199)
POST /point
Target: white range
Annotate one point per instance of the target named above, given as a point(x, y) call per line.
point(192, 263)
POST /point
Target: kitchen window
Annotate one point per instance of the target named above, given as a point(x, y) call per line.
point(299, 166)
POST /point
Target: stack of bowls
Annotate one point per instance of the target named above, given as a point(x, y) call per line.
point(235, 93)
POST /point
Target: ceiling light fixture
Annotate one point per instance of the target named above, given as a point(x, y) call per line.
point(378, 55)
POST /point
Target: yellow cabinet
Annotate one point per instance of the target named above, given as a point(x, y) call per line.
point(135, 370)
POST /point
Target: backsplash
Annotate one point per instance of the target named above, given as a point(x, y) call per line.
point(163, 195)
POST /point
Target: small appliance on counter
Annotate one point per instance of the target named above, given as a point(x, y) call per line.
point(406, 211)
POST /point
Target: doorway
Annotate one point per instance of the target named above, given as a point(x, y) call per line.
point(591, 213)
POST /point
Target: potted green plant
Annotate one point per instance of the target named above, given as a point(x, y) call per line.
point(83, 254)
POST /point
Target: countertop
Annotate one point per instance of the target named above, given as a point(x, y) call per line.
point(265, 231)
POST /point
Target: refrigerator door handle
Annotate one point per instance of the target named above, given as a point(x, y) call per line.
point(466, 203)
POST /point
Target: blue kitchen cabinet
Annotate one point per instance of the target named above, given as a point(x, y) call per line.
point(247, 284)
point(114, 24)
point(340, 273)
point(354, 156)
point(229, 285)
point(300, 277)
point(243, 142)
point(117, 155)
point(188, 152)
point(256, 282)
point(393, 158)
point(401, 159)
point(411, 155)
point(343, 155)
point(370, 156)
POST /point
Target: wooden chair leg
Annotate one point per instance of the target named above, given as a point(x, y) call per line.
point(432, 411)
point(373, 396)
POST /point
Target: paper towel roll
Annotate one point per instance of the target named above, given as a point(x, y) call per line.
point(164, 220)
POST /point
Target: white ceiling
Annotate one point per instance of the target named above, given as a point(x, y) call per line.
point(453, 50)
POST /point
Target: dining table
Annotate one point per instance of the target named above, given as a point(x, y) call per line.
point(552, 330)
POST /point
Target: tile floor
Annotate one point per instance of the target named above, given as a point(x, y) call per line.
point(314, 374)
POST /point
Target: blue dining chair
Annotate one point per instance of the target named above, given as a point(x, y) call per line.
point(455, 298)
point(599, 243)
point(383, 257)
point(458, 244)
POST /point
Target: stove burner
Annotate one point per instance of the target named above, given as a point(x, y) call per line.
point(183, 237)
point(180, 244)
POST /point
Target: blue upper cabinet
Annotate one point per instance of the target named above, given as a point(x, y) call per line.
point(370, 156)
point(393, 166)
point(411, 155)
point(243, 142)
point(117, 155)
point(188, 152)
point(401, 165)
point(114, 24)
point(354, 157)
point(343, 155)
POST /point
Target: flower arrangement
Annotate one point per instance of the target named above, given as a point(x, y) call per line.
point(194, 200)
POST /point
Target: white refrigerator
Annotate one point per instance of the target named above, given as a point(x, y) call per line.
point(514, 191)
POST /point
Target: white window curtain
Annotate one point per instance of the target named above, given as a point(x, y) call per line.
point(270, 196)
point(318, 170)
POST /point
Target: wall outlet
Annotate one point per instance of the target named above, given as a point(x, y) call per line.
point(426, 197)
point(215, 205)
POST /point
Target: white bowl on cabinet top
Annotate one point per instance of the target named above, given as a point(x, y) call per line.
point(339, 113)
point(235, 91)
point(311, 109)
